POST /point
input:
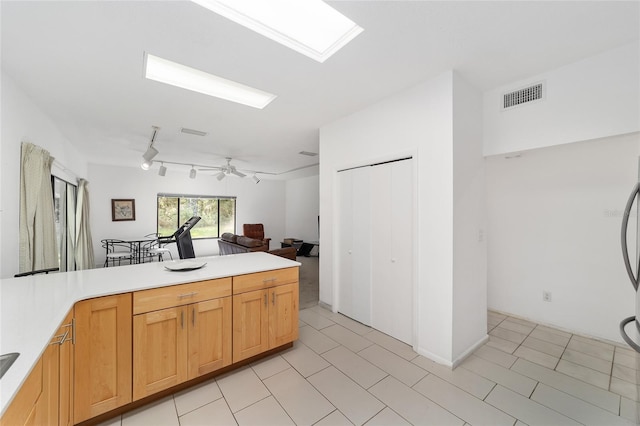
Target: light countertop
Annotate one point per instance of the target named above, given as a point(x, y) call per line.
point(33, 307)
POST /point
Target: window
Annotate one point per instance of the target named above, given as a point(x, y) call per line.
point(218, 214)
point(64, 204)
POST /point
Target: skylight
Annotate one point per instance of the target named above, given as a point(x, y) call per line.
point(310, 27)
point(179, 75)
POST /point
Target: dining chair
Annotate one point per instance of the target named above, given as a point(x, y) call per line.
point(117, 250)
point(155, 248)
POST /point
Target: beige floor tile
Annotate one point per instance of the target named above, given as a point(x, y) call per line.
point(216, 413)
point(498, 374)
point(586, 360)
point(527, 323)
point(264, 412)
point(387, 417)
point(503, 345)
point(346, 395)
point(495, 355)
point(592, 394)
point(354, 366)
point(411, 405)
point(583, 373)
point(496, 316)
point(626, 350)
point(524, 409)
point(391, 363)
point(267, 367)
point(315, 340)
point(517, 326)
point(594, 342)
point(466, 380)
point(242, 389)
point(314, 319)
point(536, 356)
point(463, 405)
point(304, 404)
point(511, 336)
point(391, 344)
point(630, 410)
point(346, 337)
point(627, 374)
point(196, 396)
point(304, 360)
point(550, 335)
point(544, 346)
point(624, 388)
point(159, 413)
point(575, 408)
point(336, 418)
point(583, 346)
point(629, 361)
point(352, 325)
point(327, 313)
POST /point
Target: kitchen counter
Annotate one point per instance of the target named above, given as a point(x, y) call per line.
point(33, 307)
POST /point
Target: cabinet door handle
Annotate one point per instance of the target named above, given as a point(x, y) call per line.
point(273, 298)
point(193, 317)
point(185, 295)
point(182, 319)
point(265, 299)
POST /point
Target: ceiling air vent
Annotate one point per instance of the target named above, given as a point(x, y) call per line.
point(522, 96)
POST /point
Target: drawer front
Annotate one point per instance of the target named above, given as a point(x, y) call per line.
point(262, 280)
point(177, 295)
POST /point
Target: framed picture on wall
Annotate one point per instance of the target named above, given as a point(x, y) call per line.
point(123, 210)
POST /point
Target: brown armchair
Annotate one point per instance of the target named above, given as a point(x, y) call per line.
point(255, 231)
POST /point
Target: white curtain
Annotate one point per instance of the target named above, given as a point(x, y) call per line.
point(70, 228)
point(38, 248)
point(84, 245)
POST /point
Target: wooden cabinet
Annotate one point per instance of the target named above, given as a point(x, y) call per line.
point(179, 343)
point(43, 399)
point(102, 378)
point(66, 361)
point(267, 318)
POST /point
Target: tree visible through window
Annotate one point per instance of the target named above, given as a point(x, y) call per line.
point(218, 214)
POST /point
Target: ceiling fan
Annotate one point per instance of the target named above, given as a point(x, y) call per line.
point(226, 170)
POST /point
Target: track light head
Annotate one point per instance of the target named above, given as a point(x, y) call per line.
point(150, 153)
point(255, 178)
point(146, 164)
point(162, 170)
point(220, 176)
point(192, 173)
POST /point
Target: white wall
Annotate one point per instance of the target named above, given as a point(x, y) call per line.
point(302, 208)
point(554, 225)
point(256, 203)
point(23, 121)
point(593, 98)
point(469, 221)
point(417, 122)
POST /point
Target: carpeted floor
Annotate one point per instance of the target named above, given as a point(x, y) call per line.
point(309, 291)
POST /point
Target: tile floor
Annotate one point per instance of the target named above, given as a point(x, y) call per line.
point(341, 373)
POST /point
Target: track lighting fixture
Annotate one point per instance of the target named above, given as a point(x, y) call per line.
point(255, 178)
point(150, 152)
point(192, 173)
point(220, 176)
point(162, 170)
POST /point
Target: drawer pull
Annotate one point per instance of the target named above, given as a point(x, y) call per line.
point(185, 295)
point(62, 338)
point(269, 280)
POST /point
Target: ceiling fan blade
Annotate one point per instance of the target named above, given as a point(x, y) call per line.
point(237, 173)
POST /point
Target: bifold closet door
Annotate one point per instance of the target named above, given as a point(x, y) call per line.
point(392, 255)
point(354, 244)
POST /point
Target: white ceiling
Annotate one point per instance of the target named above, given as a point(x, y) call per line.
point(82, 63)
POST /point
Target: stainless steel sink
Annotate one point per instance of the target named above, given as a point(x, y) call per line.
point(6, 360)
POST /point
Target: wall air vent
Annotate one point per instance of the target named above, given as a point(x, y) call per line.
point(523, 96)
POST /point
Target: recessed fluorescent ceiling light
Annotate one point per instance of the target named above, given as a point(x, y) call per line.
point(179, 75)
point(310, 27)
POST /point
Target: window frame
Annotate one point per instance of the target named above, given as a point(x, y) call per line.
point(207, 197)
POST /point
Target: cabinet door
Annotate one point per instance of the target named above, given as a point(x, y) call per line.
point(159, 350)
point(102, 353)
point(209, 336)
point(250, 324)
point(283, 314)
point(66, 373)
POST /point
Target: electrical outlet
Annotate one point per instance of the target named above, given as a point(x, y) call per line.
point(546, 296)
